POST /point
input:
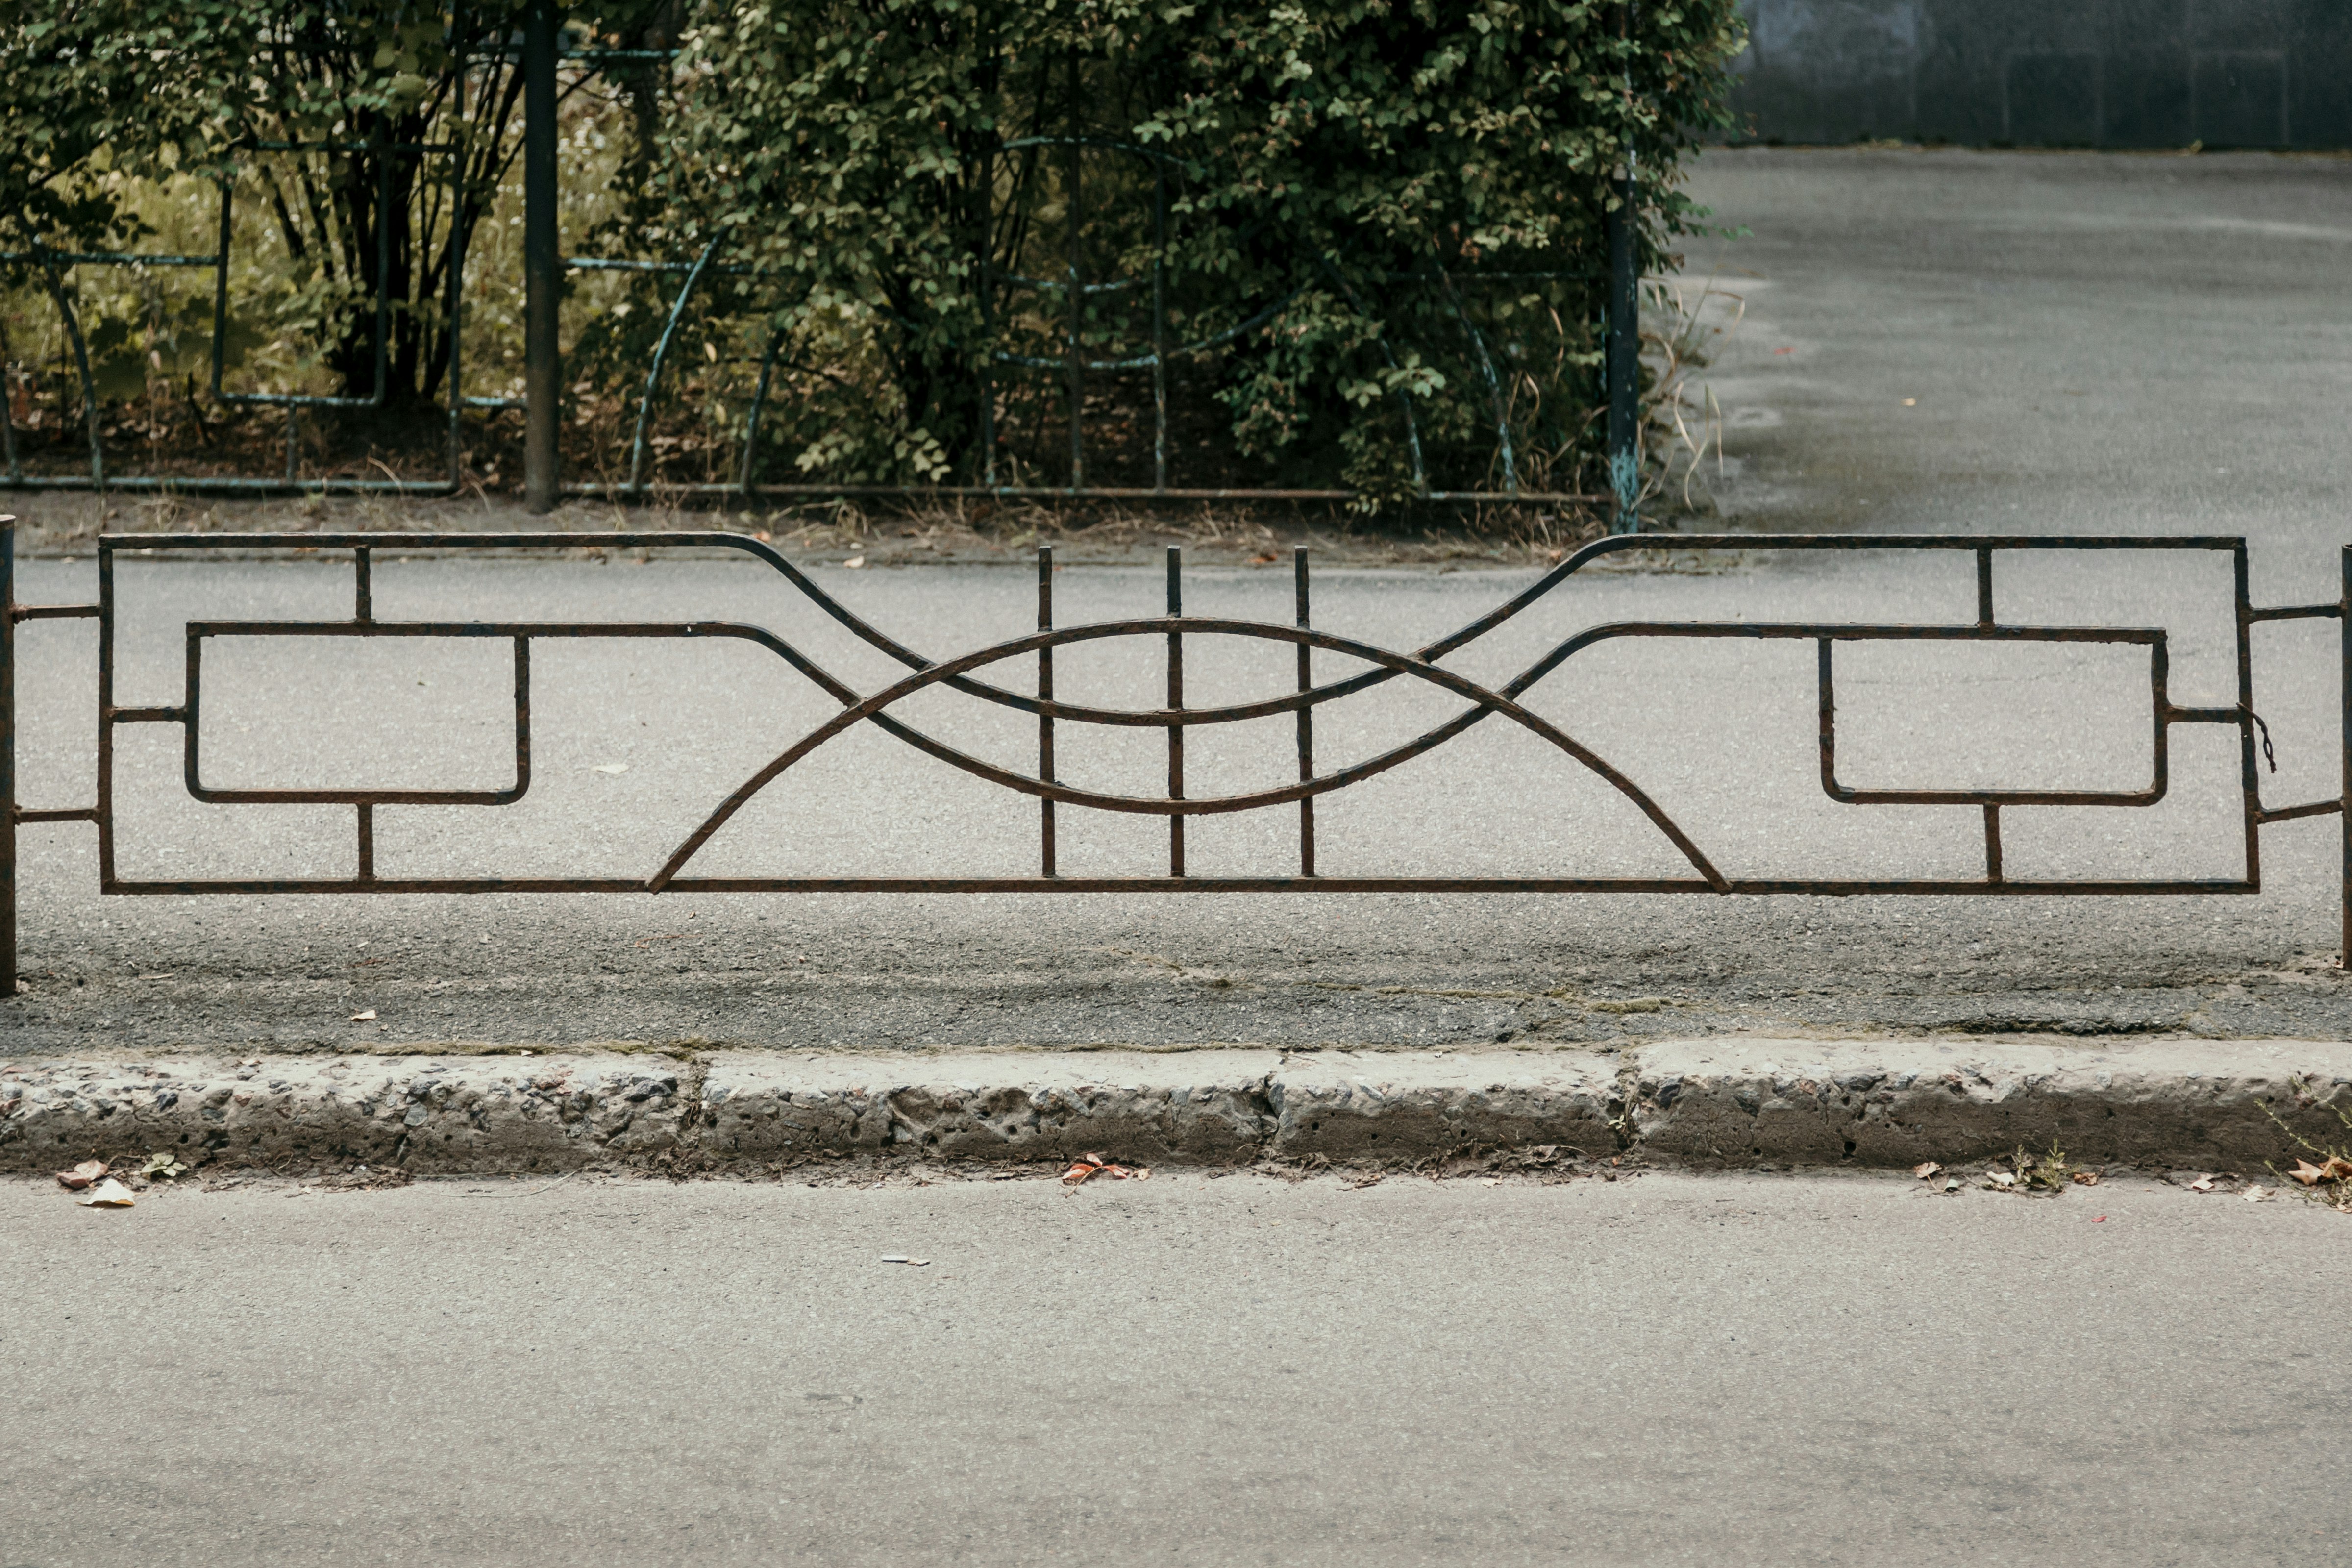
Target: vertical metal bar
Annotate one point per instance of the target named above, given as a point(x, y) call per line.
point(457, 289)
point(192, 707)
point(7, 757)
point(2344, 622)
point(1984, 588)
point(8, 424)
point(1494, 383)
point(106, 717)
point(1159, 325)
point(1623, 353)
point(987, 278)
point(1305, 718)
point(1993, 842)
point(1046, 694)
point(367, 841)
point(220, 290)
point(522, 707)
point(661, 357)
point(542, 266)
point(81, 363)
point(1823, 678)
point(1175, 707)
point(752, 420)
point(293, 445)
point(1075, 212)
point(362, 585)
point(378, 394)
point(2249, 776)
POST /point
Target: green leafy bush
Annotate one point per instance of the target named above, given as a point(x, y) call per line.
point(1384, 207)
point(1368, 232)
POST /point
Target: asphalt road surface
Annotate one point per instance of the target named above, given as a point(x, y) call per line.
point(2089, 344)
point(1667, 1369)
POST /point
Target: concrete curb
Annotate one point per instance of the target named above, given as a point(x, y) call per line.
point(1728, 1101)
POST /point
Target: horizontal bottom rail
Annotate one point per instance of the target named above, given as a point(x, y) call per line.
point(1064, 493)
point(423, 489)
point(1832, 889)
point(430, 490)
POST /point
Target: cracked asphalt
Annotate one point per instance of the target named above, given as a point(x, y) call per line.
point(2089, 342)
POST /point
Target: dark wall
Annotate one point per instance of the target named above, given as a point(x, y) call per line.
point(2092, 73)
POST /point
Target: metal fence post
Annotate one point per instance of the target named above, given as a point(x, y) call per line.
point(7, 757)
point(2343, 626)
point(542, 264)
point(1624, 361)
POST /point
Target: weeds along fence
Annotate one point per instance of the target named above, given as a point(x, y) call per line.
point(1118, 350)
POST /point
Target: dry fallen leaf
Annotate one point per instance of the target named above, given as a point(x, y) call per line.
point(2309, 1174)
point(855, 562)
point(82, 1175)
point(609, 768)
point(1086, 1165)
point(1927, 1169)
point(109, 1193)
point(2086, 1178)
point(2001, 1181)
point(1490, 1181)
point(2256, 1194)
point(366, 1017)
point(2201, 1185)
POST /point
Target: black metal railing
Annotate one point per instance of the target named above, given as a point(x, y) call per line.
point(971, 674)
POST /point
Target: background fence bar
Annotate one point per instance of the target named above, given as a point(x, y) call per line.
point(2344, 625)
point(1622, 359)
point(1070, 206)
point(8, 423)
point(542, 266)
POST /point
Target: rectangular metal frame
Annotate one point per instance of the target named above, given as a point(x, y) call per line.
point(1175, 718)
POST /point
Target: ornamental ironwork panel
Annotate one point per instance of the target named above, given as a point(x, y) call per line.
point(980, 674)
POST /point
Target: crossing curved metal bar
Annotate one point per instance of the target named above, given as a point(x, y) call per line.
point(874, 709)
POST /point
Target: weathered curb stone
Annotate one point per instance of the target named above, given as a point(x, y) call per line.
point(420, 1113)
point(1348, 1105)
point(1197, 1107)
point(1725, 1101)
point(1878, 1102)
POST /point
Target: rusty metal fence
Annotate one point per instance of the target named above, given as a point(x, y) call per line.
point(974, 674)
